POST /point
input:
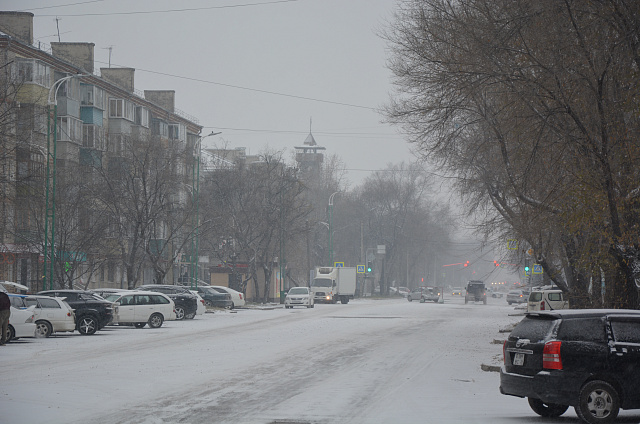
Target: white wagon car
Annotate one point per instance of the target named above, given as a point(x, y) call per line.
point(52, 315)
point(140, 308)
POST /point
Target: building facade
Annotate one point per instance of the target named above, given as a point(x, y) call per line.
point(60, 119)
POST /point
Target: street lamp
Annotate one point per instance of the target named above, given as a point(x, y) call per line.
point(331, 228)
point(50, 205)
point(195, 242)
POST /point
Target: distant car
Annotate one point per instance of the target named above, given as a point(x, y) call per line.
point(457, 291)
point(139, 308)
point(476, 292)
point(92, 311)
point(186, 303)
point(586, 358)
point(517, 296)
point(21, 323)
point(546, 300)
point(215, 298)
point(430, 294)
point(52, 315)
point(236, 297)
point(299, 296)
point(495, 293)
point(403, 291)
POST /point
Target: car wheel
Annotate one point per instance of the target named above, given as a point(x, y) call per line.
point(309, 306)
point(43, 328)
point(409, 298)
point(547, 409)
point(190, 316)
point(140, 324)
point(233, 305)
point(208, 303)
point(466, 299)
point(179, 312)
point(509, 303)
point(313, 305)
point(598, 403)
point(11, 334)
point(156, 320)
point(87, 325)
point(422, 300)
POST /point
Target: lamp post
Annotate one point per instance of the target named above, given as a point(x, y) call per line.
point(50, 193)
point(331, 228)
point(195, 230)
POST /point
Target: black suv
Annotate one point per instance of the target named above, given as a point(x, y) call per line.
point(588, 359)
point(476, 292)
point(185, 301)
point(92, 312)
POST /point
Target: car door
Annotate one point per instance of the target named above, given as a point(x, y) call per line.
point(51, 310)
point(145, 306)
point(625, 356)
point(126, 310)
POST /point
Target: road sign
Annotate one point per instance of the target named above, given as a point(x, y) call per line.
point(360, 269)
point(537, 269)
point(512, 244)
point(338, 264)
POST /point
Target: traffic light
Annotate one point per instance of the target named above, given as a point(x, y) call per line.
point(466, 264)
point(526, 270)
point(369, 266)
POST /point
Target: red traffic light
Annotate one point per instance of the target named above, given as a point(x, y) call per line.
point(466, 263)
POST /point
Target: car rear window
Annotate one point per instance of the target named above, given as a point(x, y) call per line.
point(626, 331)
point(533, 328)
point(535, 297)
point(555, 296)
point(583, 329)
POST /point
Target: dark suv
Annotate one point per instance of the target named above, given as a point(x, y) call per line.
point(214, 297)
point(588, 359)
point(476, 292)
point(185, 301)
point(91, 311)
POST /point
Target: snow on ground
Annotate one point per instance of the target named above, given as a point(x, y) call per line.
point(371, 361)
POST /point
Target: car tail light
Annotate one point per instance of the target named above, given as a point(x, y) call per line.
point(551, 359)
point(240, 296)
point(542, 306)
point(202, 300)
point(30, 319)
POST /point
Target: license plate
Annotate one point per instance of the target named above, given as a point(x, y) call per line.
point(518, 359)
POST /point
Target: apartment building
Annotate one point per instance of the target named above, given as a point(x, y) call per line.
point(87, 122)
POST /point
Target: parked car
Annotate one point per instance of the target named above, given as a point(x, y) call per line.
point(186, 303)
point(140, 308)
point(546, 300)
point(495, 293)
point(415, 294)
point(215, 298)
point(457, 291)
point(236, 297)
point(202, 308)
point(92, 311)
point(588, 359)
point(476, 292)
point(21, 324)
point(403, 291)
point(52, 315)
point(517, 296)
point(299, 296)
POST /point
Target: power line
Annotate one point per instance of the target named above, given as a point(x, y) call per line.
point(148, 12)
point(257, 90)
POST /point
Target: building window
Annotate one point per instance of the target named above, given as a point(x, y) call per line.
point(69, 129)
point(93, 137)
point(92, 96)
point(118, 144)
point(116, 108)
point(160, 128)
point(142, 116)
point(33, 71)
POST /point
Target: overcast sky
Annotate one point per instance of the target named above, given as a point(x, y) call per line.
point(256, 70)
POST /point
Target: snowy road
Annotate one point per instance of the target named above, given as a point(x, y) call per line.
point(371, 361)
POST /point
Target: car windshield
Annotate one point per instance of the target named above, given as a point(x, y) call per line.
point(299, 290)
point(321, 282)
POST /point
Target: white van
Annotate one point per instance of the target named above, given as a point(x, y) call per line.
point(546, 300)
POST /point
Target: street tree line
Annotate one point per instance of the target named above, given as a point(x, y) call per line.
point(533, 107)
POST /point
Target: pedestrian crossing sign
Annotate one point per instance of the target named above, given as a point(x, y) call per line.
point(360, 269)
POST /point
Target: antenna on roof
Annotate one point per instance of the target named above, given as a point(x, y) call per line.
point(310, 124)
point(110, 48)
